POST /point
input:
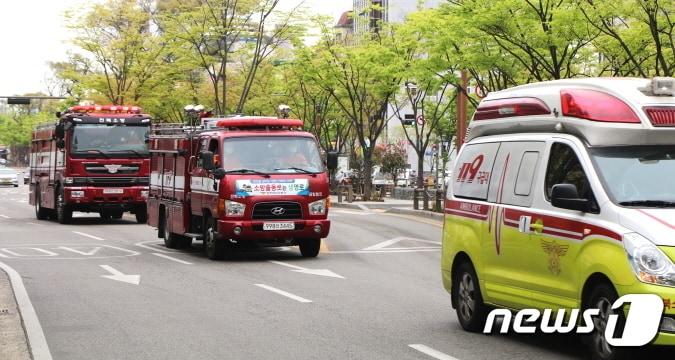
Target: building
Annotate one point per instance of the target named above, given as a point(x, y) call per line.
point(369, 13)
point(344, 28)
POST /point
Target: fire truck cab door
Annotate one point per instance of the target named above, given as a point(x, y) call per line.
point(198, 181)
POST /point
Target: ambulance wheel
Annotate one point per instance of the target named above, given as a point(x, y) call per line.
point(602, 297)
point(471, 311)
point(172, 240)
point(141, 217)
point(310, 247)
point(63, 212)
point(214, 246)
point(40, 212)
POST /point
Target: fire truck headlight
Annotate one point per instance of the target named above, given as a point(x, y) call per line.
point(77, 194)
point(317, 207)
point(144, 194)
point(649, 263)
point(68, 180)
point(234, 208)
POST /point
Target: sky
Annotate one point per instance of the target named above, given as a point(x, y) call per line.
point(34, 32)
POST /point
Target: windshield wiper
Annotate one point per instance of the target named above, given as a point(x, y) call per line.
point(648, 203)
point(93, 150)
point(247, 171)
point(131, 151)
point(305, 171)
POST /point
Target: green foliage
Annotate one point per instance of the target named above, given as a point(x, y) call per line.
point(16, 129)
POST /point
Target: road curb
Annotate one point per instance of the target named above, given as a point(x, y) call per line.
point(352, 206)
point(419, 213)
point(35, 337)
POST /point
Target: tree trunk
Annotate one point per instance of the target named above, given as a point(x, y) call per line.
point(367, 174)
point(420, 170)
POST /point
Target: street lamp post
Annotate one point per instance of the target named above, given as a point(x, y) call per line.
point(192, 113)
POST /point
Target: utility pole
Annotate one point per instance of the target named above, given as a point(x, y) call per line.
point(461, 111)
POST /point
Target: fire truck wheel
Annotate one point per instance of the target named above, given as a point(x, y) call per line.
point(63, 213)
point(40, 212)
point(117, 215)
point(172, 240)
point(141, 217)
point(215, 248)
point(310, 247)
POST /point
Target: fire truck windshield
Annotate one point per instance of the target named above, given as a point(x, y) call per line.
point(638, 175)
point(272, 154)
point(109, 140)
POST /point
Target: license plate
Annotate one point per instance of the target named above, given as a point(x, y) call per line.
point(279, 226)
point(113, 191)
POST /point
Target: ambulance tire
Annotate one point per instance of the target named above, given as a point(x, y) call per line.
point(174, 241)
point(471, 311)
point(64, 214)
point(602, 296)
point(215, 247)
point(310, 247)
point(40, 212)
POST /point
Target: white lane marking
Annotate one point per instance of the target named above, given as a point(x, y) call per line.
point(153, 248)
point(36, 337)
point(384, 244)
point(172, 258)
point(300, 269)
point(283, 293)
point(46, 252)
point(32, 223)
point(385, 251)
point(119, 276)
point(86, 253)
point(431, 352)
point(5, 217)
point(88, 235)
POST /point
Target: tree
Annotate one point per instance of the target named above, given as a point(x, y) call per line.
point(121, 54)
point(394, 159)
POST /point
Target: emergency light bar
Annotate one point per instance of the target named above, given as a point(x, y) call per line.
point(242, 122)
point(105, 109)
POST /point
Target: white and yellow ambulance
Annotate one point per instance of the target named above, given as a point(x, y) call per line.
point(563, 197)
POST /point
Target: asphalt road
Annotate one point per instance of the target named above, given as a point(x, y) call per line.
point(384, 294)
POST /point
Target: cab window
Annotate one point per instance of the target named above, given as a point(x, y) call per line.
point(564, 167)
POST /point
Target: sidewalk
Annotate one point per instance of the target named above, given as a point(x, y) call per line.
point(396, 206)
point(13, 344)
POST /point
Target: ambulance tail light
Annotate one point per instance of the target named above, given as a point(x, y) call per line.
point(661, 116)
point(501, 108)
point(596, 106)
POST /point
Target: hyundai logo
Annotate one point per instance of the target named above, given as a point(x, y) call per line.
point(278, 211)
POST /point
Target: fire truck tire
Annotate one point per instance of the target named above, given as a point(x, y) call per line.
point(64, 214)
point(215, 247)
point(310, 247)
point(40, 212)
point(141, 217)
point(172, 240)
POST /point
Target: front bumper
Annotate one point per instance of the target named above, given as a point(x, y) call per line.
point(106, 198)
point(667, 294)
point(252, 231)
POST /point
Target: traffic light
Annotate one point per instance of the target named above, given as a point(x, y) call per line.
point(408, 119)
point(18, 101)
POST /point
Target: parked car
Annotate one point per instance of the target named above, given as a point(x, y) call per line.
point(9, 177)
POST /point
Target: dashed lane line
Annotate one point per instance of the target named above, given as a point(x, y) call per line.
point(172, 259)
point(283, 293)
point(88, 235)
point(431, 352)
point(5, 217)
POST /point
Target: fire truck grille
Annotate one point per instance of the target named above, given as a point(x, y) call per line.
point(101, 169)
point(277, 210)
point(662, 116)
point(117, 181)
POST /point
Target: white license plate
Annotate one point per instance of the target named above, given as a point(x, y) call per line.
point(279, 226)
point(113, 191)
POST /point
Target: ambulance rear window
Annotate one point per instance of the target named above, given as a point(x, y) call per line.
point(471, 175)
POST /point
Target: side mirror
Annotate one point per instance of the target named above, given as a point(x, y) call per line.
point(206, 159)
point(566, 196)
point(218, 173)
point(332, 160)
point(58, 114)
point(59, 131)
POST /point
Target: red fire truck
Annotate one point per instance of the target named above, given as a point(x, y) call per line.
point(93, 159)
point(240, 181)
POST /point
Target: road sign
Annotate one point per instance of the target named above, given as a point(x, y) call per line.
point(18, 101)
point(420, 120)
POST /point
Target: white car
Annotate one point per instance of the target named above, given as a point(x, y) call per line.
point(9, 177)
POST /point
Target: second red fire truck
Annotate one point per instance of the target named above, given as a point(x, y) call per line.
point(240, 181)
point(94, 159)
